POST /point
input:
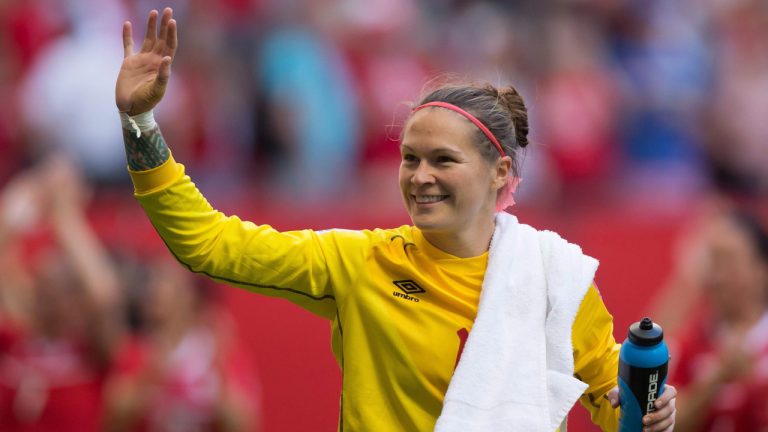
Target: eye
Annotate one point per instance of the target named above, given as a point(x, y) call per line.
point(407, 157)
point(444, 159)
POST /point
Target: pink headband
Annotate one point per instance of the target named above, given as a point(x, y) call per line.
point(469, 117)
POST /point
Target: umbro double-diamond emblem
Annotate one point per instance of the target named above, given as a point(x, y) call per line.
point(407, 287)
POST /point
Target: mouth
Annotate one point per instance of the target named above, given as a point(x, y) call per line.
point(428, 199)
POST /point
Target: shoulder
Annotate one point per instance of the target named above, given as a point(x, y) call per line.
point(367, 239)
point(546, 239)
point(553, 243)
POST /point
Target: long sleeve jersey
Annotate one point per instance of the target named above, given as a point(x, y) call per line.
point(400, 309)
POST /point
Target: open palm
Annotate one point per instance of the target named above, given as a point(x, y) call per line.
point(144, 75)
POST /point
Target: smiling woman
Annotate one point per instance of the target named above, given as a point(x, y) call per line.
point(404, 303)
point(455, 173)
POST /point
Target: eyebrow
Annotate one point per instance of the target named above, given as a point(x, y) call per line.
point(433, 151)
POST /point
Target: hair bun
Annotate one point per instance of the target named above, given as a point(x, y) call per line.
point(515, 104)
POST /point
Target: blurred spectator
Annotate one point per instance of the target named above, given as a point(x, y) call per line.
point(58, 320)
point(29, 26)
point(721, 367)
point(384, 42)
point(312, 108)
point(578, 107)
point(76, 70)
point(665, 69)
point(25, 28)
point(737, 133)
point(186, 370)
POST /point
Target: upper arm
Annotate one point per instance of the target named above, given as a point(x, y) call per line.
point(304, 266)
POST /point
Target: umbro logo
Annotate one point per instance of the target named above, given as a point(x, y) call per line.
point(407, 287)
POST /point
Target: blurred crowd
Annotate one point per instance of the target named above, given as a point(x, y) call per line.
point(652, 98)
point(92, 341)
point(652, 101)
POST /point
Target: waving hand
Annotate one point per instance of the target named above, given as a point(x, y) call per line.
point(144, 75)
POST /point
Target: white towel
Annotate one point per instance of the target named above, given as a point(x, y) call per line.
point(516, 370)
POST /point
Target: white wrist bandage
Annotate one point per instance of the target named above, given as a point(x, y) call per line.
point(139, 123)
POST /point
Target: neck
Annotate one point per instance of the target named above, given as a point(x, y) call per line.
point(463, 244)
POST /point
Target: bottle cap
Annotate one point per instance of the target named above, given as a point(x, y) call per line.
point(645, 333)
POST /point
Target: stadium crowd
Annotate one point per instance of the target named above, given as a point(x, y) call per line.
point(657, 104)
point(627, 95)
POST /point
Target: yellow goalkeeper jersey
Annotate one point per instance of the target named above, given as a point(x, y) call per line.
point(400, 309)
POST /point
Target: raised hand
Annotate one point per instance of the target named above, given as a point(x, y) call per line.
point(144, 75)
point(22, 204)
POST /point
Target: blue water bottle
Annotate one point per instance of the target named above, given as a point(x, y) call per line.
point(643, 361)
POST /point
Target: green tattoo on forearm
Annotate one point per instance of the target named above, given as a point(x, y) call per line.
point(147, 151)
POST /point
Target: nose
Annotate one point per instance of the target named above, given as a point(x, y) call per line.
point(422, 174)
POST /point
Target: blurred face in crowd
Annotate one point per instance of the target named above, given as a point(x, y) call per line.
point(170, 296)
point(736, 278)
point(447, 185)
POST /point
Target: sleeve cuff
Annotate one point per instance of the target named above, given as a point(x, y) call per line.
point(152, 180)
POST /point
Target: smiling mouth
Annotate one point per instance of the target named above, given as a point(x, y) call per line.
point(428, 199)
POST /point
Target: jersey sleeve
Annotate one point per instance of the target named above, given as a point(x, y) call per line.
point(295, 265)
point(596, 358)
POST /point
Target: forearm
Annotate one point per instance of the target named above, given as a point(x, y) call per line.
point(98, 276)
point(695, 402)
point(145, 147)
point(88, 255)
point(596, 358)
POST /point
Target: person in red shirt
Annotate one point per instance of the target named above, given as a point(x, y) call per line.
point(186, 369)
point(722, 365)
point(57, 321)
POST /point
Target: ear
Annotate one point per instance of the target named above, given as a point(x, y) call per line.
point(502, 171)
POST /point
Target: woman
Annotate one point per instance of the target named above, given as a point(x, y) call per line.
point(722, 361)
point(186, 368)
point(58, 308)
point(402, 301)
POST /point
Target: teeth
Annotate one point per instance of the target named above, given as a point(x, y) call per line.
point(426, 199)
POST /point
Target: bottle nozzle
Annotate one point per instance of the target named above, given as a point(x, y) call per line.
point(645, 332)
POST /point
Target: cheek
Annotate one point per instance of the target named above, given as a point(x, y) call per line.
point(474, 185)
point(402, 177)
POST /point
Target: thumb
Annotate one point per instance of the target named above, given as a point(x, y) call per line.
point(164, 73)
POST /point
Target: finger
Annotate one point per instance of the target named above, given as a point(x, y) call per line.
point(669, 394)
point(151, 35)
point(613, 397)
point(167, 15)
point(661, 426)
point(127, 39)
point(172, 40)
point(660, 417)
point(660, 414)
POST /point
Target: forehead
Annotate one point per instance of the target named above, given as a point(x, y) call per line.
point(435, 126)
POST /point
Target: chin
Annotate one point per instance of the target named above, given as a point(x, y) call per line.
point(428, 224)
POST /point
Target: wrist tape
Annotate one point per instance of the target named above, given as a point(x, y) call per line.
point(139, 123)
